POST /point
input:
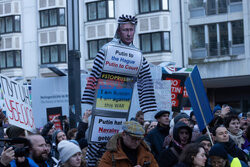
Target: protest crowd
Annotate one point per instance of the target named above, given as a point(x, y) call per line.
point(168, 140)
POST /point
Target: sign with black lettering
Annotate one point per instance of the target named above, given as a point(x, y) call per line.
point(17, 104)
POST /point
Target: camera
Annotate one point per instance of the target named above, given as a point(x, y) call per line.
point(20, 145)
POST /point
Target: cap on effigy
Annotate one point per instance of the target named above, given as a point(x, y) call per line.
point(160, 113)
point(123, 19)
point(133, 128)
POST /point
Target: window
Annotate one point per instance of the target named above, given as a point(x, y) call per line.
point(235, 1)
point(222, 6)
point(52, 17)
point(211, 7)
point(10, 59)
point(53, 54)
point(196, 3)
point(146, 6)
point(155, 42)
point(238, 32)
point(223, 39)
point(198, 37)
point(212, 30)
point(95, 45)
point(10, 24)
point(100, 10)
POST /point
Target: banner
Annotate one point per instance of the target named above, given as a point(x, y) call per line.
point(105, 128)
point(17, 104)
point(122, 60)
point(114, 92)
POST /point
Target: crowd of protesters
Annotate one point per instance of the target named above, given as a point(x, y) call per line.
point(160, 142)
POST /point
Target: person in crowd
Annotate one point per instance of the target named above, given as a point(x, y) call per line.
point(246, 145)
point(205, 142)
point(70, 154)
point(243, 122)
point(193, 118)
point(217, 110)
point(193, 155)
point(156, 136)
point(71, 135)
point(221, 135)
point(182, 134)
point(225, 110)
point(139, 117)
point(248, 117)
point(57, 137)
point(183, 117)
point(127, 149)
point(232, 123)
point(123, 38)
point(49, 129)
point(219, 157)
point(151, 126)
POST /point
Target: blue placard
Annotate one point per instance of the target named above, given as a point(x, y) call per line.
point(199, 98)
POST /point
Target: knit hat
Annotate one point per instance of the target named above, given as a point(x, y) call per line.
point(216, 108)
point(67, 149)
point(180, 116)
point(218, 150)
point(14, 131)
point(133, 128)
point(160, 113)
point(202, 138)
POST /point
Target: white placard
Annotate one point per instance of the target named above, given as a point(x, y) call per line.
point(17, 104)
point(122, 60)
point(105, 127)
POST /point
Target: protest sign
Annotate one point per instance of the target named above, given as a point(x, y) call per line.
point(114, 92)
point(105, 127)
point(177, 87)
point(17, 104)
point(198, 99)
point(122, 60)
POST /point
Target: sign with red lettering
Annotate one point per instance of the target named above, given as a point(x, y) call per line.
point(105, 127)
point(177, 90)
point(122, 60)
point(17, 104)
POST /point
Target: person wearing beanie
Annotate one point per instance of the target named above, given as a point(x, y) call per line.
point(155, 138)
point(128, 148)
point(70, 153)
point(181, 117)
point(205, 142)
point(217, 110)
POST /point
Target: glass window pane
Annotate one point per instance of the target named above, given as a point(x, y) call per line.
point(111, 9)
point(45, 54)
point(145, 43)
point(212, 39)
point(166, 37)
point(54, 54)
point(101, 43)
point(198, 37)
point(44, 19)
point(10, 59)
point(2, 60)
point(144, 6)
point(17, 23)
point(2, 25)
point(235, 1)
point(101, 9)
point(155, 5)
point(222, 4)
point(196, 3)
point(156, 42)
point(238, 32)
point(18, 58)
point(62, 16)
point(211, 7)
point(223, 39)
point(9, 24)
point(165, 4)
point(92, 49)
point(92, 11)
point(53, 17)
point(62, 53)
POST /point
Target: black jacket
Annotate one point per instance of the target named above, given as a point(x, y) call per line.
point(155, 139)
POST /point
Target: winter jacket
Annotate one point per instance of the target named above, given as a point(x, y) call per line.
point(115, 155)
point(155, 139)
point(170, 156)
point(80, 136)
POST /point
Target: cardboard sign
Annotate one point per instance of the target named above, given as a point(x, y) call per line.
point(114, 92)
point(122, 60)
point(105, 127)
point(17, 104)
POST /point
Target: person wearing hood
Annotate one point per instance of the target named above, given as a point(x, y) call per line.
point(155, 137)
point(182, 135)
point(124, 37)
point(232, 123)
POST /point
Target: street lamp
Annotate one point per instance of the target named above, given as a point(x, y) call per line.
point(74, 55)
